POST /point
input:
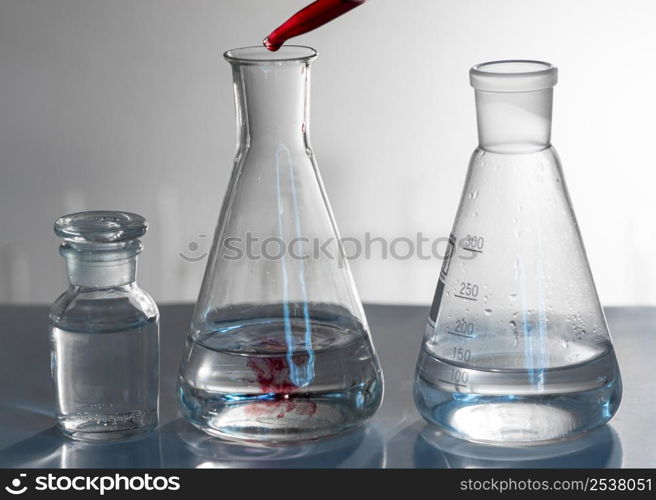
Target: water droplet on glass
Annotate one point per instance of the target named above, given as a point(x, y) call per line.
point(488, 312)
point(515, 333)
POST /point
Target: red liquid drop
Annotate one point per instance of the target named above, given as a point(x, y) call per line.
point(314, 15)
point(272, 374)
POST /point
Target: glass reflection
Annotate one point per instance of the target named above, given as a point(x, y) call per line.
point(49, 449)
point(600, 448)
point(362, 448)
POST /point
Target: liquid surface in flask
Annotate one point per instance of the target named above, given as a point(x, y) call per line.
point(516, 348)
point(281, 377)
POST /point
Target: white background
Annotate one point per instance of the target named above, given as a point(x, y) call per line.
point(127, 104)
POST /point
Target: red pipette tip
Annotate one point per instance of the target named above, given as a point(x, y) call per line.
point(270, 45)
point(311, 17)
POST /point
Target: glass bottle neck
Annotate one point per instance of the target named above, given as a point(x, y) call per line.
point(514, 122)
point(272, 103)
point(91, 267)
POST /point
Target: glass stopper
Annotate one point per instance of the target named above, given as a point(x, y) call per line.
point(100, 226)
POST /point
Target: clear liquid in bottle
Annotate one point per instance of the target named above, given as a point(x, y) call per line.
point(104, 390)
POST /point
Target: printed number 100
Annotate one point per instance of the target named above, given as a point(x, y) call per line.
point(459, 377)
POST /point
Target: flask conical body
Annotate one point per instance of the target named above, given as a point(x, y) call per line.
point(279, 347)
point(516, 349)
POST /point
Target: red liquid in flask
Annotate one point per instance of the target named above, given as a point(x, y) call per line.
point(314, 15)
point(272, 375)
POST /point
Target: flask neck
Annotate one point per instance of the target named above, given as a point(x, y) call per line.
point(272, 103)
point(96, 266)
point(514, 122)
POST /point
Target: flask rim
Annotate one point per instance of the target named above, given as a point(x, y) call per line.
point(513, 75)
point(258, 54)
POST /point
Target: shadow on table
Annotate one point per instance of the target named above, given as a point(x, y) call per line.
point(361, 448)
point(600, 448)
point(49, 449)
point(180, 445)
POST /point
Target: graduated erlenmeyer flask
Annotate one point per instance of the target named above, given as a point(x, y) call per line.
point(516, 349)
point(279, 347)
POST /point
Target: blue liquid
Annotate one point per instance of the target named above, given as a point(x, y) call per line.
point(514, 405)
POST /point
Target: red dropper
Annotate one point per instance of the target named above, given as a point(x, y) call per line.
point(314, 15)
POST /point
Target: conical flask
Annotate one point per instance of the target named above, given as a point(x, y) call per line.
point(279, 348)
point(516, 349)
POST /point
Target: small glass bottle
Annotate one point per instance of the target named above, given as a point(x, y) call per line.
point(104, 331)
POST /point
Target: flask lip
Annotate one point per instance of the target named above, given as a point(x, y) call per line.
point(261, 55)
point(513, 75)
point(100, 226)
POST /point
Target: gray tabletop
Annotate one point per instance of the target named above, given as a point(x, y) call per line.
point(395, 437)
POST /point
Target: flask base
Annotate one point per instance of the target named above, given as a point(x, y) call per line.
point(268, 418)
point(107, 428)
point(495, 410)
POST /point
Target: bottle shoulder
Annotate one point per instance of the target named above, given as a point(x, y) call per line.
point(103, 310)
point(483, 156)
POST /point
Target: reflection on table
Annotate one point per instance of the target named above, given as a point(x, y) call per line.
point(179, 445)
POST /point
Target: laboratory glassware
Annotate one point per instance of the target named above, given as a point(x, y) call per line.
point(516, 349)
point(104, 331)
point(279, 348)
